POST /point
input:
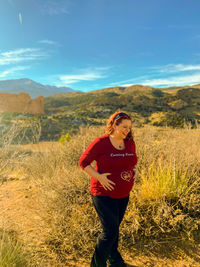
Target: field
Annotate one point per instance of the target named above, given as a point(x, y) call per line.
point(47, 218)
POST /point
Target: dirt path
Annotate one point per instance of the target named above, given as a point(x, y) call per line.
point(18, 211)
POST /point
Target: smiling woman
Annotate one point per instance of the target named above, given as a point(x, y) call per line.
point(122, 125)
point(111, 183)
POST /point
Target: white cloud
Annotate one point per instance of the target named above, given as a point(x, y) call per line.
point(68, 79)
point(161, 76)
point(173, 81)
point(10, 71)
point(49, 42)
point(55, 7)
point(84, 75)
point(129, 81)
point(175, 68)
point(21, 55)
point(20, 18)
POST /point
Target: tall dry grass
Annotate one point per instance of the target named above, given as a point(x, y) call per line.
point(11, 250)
point(164, 204)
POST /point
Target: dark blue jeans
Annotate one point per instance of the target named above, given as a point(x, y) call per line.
point(111, 212)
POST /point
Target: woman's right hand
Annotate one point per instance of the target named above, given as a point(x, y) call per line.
point(105, 182)
point(101, 177)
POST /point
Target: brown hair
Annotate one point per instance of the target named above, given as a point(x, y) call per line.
point(115, 119)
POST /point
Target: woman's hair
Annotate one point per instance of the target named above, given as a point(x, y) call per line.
point(115, 119)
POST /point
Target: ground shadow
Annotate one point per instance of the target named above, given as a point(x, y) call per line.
point(171, 249)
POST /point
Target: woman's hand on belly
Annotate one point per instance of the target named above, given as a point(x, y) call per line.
point(101, 177)
point(105, 182)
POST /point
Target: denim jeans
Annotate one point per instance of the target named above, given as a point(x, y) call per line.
point(111, 212)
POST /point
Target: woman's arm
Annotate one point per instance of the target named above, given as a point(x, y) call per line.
point(101, 177)
point(92, 153)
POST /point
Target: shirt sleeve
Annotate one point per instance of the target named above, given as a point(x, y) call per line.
point(90, 154)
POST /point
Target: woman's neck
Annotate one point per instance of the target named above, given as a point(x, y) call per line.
point(117, 142)
point(116, 138)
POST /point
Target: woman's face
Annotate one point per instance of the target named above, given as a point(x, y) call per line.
point(122, 129)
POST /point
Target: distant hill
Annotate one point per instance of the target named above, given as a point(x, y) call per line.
point(168, 106)
point(31, 87)
point(67, 112)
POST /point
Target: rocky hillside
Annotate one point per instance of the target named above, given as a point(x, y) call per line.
point(21, 103)
point(168, 106)
point(66, 113)
point(31, 87)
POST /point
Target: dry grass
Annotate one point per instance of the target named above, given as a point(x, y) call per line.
point(164, 209)
point(11, 250)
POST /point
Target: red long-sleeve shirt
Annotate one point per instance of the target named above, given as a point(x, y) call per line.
point(108, 159)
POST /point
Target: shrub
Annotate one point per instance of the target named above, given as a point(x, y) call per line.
point(164, 203)
point(11, 251)
point(64, 138)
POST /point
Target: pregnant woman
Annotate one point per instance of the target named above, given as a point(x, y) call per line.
point(111, 182)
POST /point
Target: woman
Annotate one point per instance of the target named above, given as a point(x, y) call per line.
point(111, 183)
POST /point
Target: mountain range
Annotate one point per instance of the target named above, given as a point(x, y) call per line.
point(31, 87)
point(167, 106)
point(67, 111)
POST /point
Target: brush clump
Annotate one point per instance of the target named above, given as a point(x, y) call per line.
point(164, 204)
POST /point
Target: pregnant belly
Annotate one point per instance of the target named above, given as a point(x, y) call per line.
point(123, 183)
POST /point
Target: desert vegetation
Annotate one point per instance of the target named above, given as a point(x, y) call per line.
point(163, 216)
point(11, 251)
point(66, 113)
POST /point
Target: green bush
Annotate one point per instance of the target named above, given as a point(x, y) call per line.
point(64, 138)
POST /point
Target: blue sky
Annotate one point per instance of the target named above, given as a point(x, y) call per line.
point(93, 44)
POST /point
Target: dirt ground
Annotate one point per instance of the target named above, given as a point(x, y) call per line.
point(18, 211)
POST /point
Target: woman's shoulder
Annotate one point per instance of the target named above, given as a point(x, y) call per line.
point(104, 137)
point(130, 142)
point(101, 139)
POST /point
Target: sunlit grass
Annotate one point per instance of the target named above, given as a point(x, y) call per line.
point(11, 251)
point(164, 203)
point(158, 182)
